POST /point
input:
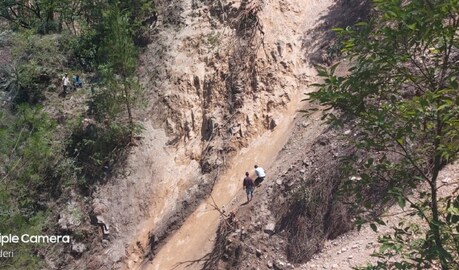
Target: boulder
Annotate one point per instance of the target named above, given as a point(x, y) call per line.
point(270, 228)
point(78, 248)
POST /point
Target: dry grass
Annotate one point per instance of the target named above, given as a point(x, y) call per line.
point(314, 213)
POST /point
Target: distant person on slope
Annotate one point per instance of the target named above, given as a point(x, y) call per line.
point(260, 175)
point(77, 83)
point(65, 84)
point(249, 186)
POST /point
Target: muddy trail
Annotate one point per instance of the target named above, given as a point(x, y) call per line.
point(194, 239)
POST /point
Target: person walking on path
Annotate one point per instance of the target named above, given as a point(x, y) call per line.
point(65, 84)
point(249, 186)
point(260, 175)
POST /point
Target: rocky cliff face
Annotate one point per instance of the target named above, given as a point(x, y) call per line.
point(222, 76)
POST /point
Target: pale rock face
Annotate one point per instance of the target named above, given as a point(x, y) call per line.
point(217, 80)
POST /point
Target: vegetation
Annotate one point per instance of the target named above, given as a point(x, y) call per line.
point(402, 92)
point(46, 152)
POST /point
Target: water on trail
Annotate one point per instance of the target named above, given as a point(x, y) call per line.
point(195, 237)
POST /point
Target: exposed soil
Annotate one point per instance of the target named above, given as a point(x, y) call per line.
point(257, 240)
point(195, 237)
point(198, 230)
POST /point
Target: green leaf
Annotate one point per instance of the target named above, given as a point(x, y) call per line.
point(401, 201)
point(380, 221)
point(374, 227)
point(338, 29)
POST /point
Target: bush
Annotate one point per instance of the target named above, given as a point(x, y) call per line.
point(38, 60)
point(97, 148)
point(29, 156)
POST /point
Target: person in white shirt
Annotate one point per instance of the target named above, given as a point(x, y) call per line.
point(260, 175)
point(65, 84)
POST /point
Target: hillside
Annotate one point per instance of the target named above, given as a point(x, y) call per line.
point(351, 108)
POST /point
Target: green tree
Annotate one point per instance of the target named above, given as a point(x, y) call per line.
point(101, 145)
point(118, 58)
point(402, 92)
point(29, 178)
point(39, 14)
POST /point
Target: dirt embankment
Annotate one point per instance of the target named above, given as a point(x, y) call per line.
point(217, 74)
point(290, 16)
point(295, 216)
point(296, 211)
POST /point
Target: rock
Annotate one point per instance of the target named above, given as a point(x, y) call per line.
point(335, 266)
point(350, 257)
point(258, 253)
point(70, 217)
point(280, 47)
point(279, 265)
point(446, 180)
point(347, 132)
point(355, 246)
point(78, 248)
point(279, 182)
point(104, 225)
point(343, 249)
point(258, 225)
point(105, 242)
point(269, 228)
point(270, 264)
point(99, 207)
point(284, 64)
point(305, 124)
point(272, 124)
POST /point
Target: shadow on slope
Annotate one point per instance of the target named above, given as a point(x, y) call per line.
point(322, 42)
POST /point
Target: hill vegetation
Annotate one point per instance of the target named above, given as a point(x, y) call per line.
point(53, 144)
point(401, 94)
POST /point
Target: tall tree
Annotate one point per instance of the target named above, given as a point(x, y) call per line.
point(402, 90)
point(118, 56)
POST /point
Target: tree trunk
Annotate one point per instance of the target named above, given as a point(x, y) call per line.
point(128, 107)
point(435, 223)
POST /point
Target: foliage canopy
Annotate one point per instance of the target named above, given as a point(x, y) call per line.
point(402, 91)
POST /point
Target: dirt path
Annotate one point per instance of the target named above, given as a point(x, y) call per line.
point(194, 239)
